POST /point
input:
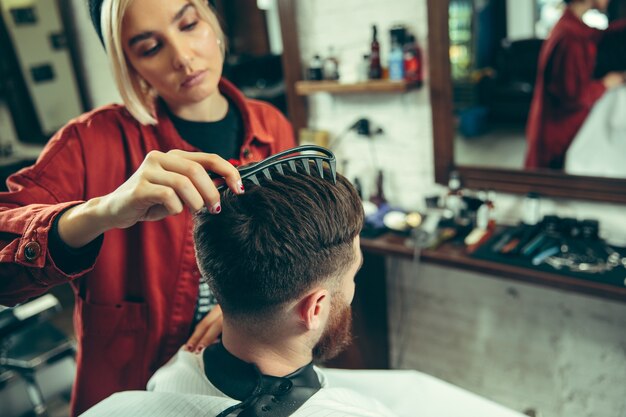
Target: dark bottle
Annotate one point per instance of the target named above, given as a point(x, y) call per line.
point(376, 71)
point(315, 70)
point(358, 187)
point(413, 61)
point(379, 197)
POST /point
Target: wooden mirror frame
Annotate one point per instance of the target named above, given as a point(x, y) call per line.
point(547, 183)
point(292, 64)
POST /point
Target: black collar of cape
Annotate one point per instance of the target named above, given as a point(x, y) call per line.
point(260, 395)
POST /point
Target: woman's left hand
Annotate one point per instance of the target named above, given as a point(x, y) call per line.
point(206, 332)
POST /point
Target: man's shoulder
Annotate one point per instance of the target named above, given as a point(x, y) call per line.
point(158, 404)
point(342, 402)
point(183, 373)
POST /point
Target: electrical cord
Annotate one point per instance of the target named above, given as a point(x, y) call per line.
point(362, 126)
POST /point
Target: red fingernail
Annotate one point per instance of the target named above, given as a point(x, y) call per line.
point(217, 207)
point(199, 348)
point(240, 184)
point(189, 347)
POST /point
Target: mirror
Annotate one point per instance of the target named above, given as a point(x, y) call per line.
point(495, 54)
point(481, 93)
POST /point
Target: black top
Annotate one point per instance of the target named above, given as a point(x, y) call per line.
point(222, 137)
point(260, 395)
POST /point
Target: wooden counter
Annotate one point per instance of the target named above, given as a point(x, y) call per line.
point(370, 348)
point(455, 257)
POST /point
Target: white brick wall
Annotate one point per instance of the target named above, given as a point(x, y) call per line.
point(518, 344)
point(404, 152)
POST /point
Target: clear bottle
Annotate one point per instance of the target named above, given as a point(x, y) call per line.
point(396, 61)
point(331, 65)
point(364, 68)
point(454, 198)
point(531, 209)
point(485, 213)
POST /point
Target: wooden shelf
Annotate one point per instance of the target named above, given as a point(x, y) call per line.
point(305, 88)
point(455, 257)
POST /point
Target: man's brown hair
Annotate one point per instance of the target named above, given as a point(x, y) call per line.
point(275, 241)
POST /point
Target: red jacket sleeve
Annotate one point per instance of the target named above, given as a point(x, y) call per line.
point(36, 195)
point(571, 76)
point(616, 26)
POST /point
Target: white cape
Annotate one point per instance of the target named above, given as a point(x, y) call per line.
point(599, 148)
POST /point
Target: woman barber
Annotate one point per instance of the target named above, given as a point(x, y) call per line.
point(565, 90)
point(108, 206)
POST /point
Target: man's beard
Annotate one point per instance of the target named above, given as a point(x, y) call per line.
point(338, 333)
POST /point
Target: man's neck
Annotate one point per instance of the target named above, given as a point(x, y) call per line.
point(276, 359)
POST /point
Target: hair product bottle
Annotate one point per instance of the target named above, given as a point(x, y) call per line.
point(412, 61)
point(376, 71)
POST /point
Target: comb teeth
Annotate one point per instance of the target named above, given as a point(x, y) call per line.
point(279, 168)
point(306, 166)
point(333, 170)
point(320, 167)
point(285, 161)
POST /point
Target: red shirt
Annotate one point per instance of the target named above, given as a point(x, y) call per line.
point(565, 90)
point(134, 307)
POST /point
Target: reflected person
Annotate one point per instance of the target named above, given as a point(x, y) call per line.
point(566, 90)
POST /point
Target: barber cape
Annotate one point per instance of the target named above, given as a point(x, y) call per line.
point(599, 148)
point(181, 388)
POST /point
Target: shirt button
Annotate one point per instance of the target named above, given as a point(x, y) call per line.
point(32, 250)
point(285, 386)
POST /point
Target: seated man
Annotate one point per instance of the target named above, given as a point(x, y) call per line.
point(281, 260)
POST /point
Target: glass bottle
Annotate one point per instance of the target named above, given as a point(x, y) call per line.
point(376, 70)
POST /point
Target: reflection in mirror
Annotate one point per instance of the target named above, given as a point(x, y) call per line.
point(255, 46)
point(499, 80)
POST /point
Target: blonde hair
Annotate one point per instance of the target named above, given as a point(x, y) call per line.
point(137, 95)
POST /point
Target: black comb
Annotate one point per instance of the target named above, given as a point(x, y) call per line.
point(282, 161)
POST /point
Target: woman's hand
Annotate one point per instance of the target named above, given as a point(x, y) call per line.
point(614, 79)
point(162, 186)
point(165, 183)
point(206, 331)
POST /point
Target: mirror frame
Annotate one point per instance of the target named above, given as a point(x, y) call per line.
point(545, 182)
point(292, 64)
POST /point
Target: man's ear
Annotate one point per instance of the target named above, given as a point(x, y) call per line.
point(312, 308)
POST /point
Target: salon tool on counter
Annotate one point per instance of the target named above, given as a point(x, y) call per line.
point(562, 243)
point(531, 209)
point(485, 222)
point(288, 160)
point(400, 221)
point(453, 200)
